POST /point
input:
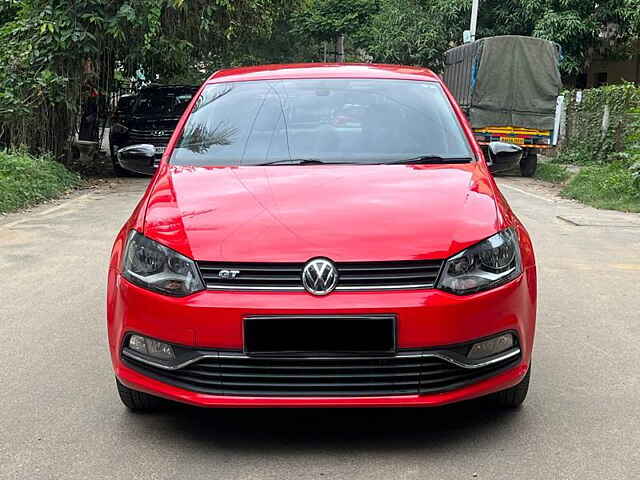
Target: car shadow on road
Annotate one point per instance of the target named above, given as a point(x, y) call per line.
point(264, 431)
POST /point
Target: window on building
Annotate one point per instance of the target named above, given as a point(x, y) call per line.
point(601, 79)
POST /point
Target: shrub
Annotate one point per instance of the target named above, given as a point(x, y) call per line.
point(26, 179)
point(611, 185)
point(552, 172)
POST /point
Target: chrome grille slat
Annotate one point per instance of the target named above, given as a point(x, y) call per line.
point(406, 274)
point(252, 270)
point(345, 267)
point(146, 136)
point(264, 278)
point(391, 265)
point(354, 278)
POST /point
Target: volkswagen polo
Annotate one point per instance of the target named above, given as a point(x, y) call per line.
point(322, 235)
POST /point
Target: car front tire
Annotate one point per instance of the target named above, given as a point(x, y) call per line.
point(135, 401)
point(513, 397)
point(117, 169)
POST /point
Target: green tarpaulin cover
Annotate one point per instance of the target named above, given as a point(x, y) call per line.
point(506, 81)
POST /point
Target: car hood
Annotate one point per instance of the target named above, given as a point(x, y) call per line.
point(343, 212)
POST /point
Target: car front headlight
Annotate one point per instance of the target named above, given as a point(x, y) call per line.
point(151, 265)
point(486, 265)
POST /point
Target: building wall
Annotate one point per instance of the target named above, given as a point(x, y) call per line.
point(603, 72)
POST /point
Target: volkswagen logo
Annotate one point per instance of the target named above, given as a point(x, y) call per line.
point(319, 276)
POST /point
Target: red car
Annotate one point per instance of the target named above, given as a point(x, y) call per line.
point(321, 235)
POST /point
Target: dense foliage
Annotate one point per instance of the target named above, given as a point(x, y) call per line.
point(418, 31)
point(26, 179)
point(57, 53)
point(325, 19)
point(603, 136)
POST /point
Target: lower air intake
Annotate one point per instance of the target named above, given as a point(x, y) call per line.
point(235, 374)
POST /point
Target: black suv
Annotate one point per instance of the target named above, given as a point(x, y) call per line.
point(149, 119)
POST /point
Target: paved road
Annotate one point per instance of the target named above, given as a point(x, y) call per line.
point(60, 417)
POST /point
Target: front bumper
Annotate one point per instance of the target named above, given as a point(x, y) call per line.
point(426, 320)
point(137, 381)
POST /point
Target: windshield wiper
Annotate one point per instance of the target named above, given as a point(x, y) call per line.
point(297, 161)
point(432, 159)
point(423, 159)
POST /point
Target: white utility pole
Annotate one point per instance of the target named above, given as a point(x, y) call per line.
point(474, 19)
point(340, 49)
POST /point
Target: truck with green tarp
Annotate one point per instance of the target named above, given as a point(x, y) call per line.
point(508, 87)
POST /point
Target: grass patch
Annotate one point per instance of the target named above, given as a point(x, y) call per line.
point(609, 186)
point(26, 180)
point(573, 157)
point(552, 172)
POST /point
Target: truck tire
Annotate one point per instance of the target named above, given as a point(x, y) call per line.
point(529, 164)
point(514, 396)
point(135, 401)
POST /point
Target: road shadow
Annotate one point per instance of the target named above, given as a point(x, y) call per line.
point(274, 431)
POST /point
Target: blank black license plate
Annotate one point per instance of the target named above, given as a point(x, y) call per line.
point(320, 334)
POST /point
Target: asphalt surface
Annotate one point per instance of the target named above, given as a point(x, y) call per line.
point(60, 417)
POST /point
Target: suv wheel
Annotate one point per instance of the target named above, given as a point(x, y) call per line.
point(137, 401)
point(514, 396)
point(529, 164)
point(117, 169)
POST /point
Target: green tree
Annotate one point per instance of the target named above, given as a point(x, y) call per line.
point(414, 32)
point(320, 21)
point(418, 31)
point(583, 26)
point(53, 51)
point(325, 19)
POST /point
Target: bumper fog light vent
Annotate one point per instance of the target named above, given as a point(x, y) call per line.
point(151, 347)
point(491, 347)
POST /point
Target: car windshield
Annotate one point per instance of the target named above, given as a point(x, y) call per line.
point(163, 102)
point(321, 121)
point(125, 103)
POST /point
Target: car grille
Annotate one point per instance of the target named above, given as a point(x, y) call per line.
point(144, 136)
point(351, 275)
point(235, 374)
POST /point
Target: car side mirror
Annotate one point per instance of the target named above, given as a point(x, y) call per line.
point(138, 158)
point(501, 153)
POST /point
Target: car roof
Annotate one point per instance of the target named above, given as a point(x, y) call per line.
point(169, 87)
point(323, 70)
